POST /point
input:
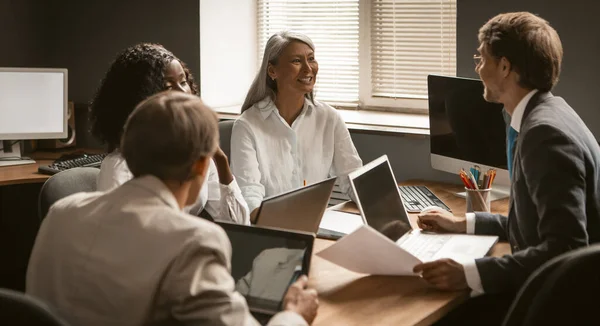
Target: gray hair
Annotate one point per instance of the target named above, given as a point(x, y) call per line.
point(263, 86)
point(167, 134)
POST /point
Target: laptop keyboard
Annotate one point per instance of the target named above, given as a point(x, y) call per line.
point(416, 198)
point(424, 246)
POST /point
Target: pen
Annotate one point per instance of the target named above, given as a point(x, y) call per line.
point(486, 181)
point(466, 179)
point(473, 180)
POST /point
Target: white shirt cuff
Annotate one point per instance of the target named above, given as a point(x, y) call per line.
point(473, 278)
point(470, 223)
point(287, 317)
point(232, 187)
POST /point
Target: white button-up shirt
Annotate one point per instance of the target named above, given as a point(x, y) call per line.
point(222, 202)
point(269, 157)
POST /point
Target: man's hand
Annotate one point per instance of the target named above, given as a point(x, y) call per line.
point(441, 221)
point(301, 300)
point(444, 274)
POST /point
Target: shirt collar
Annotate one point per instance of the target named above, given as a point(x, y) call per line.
point(517, 116)
point(157, 187)
point(266, 106)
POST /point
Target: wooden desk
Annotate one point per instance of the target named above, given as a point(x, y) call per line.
point(348, 298)
point(20, 174)
point(28, 173)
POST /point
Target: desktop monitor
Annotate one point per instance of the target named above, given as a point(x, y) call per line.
point(466, 130)
point(33, 105)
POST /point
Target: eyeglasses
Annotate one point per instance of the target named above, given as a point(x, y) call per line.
point(477, 58)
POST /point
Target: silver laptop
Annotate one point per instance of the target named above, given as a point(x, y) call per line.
point(265, 262)
point(381, 206)
point(299, 210)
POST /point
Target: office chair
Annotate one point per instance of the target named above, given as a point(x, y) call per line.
point(560, 292)
point(66, 183)
point(17, 308)
point(225, 128)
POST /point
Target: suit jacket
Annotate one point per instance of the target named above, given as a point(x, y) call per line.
point(130, 256)
point(555, 194)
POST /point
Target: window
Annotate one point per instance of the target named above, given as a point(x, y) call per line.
point(334, 29)
point(401, 42)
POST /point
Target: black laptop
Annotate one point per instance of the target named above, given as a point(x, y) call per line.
point(265, 262)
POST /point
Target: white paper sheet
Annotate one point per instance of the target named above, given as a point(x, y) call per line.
point(367, 251)
point(340, 221)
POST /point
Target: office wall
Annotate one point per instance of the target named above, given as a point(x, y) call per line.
point(22, 34)
point(87, 35)
point(576, 23)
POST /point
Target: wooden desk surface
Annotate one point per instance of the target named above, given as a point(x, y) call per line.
point(348, 298)
point(28, 173)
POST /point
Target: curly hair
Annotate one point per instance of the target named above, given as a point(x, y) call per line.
point(136, 74)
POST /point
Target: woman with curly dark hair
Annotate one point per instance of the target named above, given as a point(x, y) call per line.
point(137, 73)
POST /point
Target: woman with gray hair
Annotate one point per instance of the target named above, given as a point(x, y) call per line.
point(285, 138)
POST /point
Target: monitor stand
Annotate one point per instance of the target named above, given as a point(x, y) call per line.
point(498, 192)
point(10, 154)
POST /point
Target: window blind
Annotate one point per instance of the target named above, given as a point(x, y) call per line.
point(333, 28)
point(409, 40)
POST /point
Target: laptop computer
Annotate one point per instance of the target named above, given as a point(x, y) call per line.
point(265, 262)
point(380, 204)
point(299, 209)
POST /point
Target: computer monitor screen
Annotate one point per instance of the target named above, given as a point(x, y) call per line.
point(465, 129)
point(33, 103)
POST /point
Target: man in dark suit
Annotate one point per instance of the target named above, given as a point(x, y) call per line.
point(554, 163)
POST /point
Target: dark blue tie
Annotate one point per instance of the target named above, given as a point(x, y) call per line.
point(510, 148)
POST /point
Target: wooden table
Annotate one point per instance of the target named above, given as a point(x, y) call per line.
point(348, 298)
point(28, 173)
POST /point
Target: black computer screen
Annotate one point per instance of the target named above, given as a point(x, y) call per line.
point(265, 262)
point(380, 201)
point(463, 125)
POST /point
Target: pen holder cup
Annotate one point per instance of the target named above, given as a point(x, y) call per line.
point(478, 200)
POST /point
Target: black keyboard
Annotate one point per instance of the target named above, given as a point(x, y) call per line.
point(416, 198)
point(85, 161)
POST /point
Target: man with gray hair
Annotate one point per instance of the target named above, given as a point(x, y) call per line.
point(131, 256)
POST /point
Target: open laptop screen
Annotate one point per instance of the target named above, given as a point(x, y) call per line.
point(379, 199)
point(266, 261)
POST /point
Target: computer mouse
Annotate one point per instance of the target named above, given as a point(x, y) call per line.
point(430, 208)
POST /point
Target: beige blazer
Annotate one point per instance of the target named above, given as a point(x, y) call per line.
point(130, 256)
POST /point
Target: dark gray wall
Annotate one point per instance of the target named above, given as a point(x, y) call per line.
point(87, 35)
point(22, 33)
point(408, 155)
point(576, 23)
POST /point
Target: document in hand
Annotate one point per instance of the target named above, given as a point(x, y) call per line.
point(369, 252)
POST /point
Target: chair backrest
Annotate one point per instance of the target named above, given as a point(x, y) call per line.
point(225, 128)
point(560, 292)
point(17, 308)
point(66, 183)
